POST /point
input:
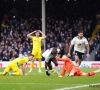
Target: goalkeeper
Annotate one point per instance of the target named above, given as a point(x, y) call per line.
point(72, 69)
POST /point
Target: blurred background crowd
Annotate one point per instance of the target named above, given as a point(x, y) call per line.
point(63, 20)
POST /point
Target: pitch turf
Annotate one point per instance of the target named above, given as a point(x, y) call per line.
point(39, 81)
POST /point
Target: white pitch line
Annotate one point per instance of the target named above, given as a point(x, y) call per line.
point(40, 83)
point(34, 83)
point(69, 88)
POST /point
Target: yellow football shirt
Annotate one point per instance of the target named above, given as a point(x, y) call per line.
point(20, 61)
point(37, 42)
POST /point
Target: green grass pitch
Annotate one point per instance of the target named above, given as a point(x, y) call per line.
point(39, 81)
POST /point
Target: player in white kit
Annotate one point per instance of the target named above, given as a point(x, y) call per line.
point(50, 55)
point(79, 42)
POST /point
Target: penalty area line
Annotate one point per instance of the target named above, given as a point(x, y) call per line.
point(74, 87)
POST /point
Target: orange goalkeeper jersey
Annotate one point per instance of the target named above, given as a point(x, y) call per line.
point(68, 64)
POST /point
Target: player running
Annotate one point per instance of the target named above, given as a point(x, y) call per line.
point(36, 51)
point(72, 69)
point(17, 65)
point(49, 56)
point(79, 42)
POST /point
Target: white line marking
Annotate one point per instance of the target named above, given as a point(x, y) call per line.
point(34, 83)
point(69, 88)
point(40, 83)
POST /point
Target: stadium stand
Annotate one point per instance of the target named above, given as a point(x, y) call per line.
point(62, 25)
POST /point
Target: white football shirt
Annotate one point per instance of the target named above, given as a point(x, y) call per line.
point(47, 54)
point(79, 44)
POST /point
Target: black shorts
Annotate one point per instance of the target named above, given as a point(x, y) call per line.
point(79, 54)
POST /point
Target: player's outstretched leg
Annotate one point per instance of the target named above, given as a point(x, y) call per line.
point(91, 73)
point(94, 72)
point(15, 74)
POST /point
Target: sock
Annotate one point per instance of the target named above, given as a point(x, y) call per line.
point(31, 65)
point(16, 74)
point(58, 70)
point(40, 64)
point(92, 73)
point(97, 71)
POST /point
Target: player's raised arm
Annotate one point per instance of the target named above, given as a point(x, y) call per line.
point(64, 58)
point(30, 34)
point(43, 36)
point(60, 59)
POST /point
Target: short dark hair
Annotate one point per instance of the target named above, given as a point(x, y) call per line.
point(54, 51)
point(29, 54)
point(80, 31)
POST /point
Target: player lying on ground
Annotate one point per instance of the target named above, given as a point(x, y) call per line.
point(17, 65)
point(72, 69)
point(49, 56)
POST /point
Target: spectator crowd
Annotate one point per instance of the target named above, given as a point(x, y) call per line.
point(60, 29)
point(14, 41)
